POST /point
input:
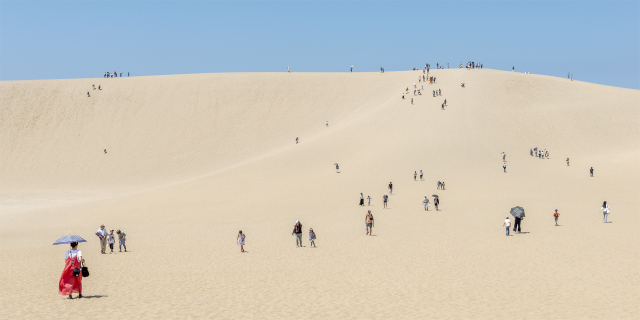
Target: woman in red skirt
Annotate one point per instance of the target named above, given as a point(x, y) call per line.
point(68, 283)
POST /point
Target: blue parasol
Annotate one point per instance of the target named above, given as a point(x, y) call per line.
point(69, 239)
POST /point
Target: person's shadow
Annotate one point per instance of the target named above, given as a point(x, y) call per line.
point(94, 296)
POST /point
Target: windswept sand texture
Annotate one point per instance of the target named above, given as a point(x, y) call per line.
point(192, 159)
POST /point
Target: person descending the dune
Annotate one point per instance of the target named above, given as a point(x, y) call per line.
point(337, 168)
point(504, 167)
point(426, 203)
point(420, 175)
point(361, 199)
point(385, 199)
point(240, 240)
point(296, 140)
point(368, 220)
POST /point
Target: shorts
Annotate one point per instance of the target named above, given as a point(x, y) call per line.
point(369, 225)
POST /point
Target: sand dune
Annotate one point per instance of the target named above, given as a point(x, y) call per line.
point(192, 159)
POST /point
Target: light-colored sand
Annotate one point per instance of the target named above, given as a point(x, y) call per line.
point(194, 158)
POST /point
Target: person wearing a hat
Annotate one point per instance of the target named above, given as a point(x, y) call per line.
point(426, 203)
point(312, 237)
point(507, 223)
point(102, 234)
point(556, 215)
point(297, 230)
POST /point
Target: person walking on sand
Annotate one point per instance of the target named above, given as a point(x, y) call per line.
point(112, 240)
point(368, 220)
point(70, 281)
point(556, 215)
point(605, 211)
point(426, 203)
point(337, 168)
point(442, 185)
point(567, 162)
point(516, 225)
point(296, 140)
point(436, 202)
point(288, 69)
point(415, 176)
point(504, 156)
point(420, 175)
point(94, 86)
point(240, 240)
point(385, 198)
point(105, 151)
point(102, 235)
point(88, 95)
point(122, 240)
point(591, 172)
point(297, 231)
point(439, 183)
point(507, 223)
point(327, 123)
point(368, 200)
point(361, 199)
point(390, 188)
point(312, 238)
point(504, 167)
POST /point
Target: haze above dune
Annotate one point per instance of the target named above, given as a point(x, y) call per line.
point(192, 159)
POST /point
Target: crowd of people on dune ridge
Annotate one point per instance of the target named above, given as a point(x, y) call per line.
point(71, 278)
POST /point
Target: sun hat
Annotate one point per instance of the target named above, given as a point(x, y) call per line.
point(507, 217)
point(556, 209)
point(310, 229)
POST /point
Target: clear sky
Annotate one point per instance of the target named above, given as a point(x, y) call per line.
point(597, 41)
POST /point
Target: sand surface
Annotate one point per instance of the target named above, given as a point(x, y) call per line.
point(192, 159)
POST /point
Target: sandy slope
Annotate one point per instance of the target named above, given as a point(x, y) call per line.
point(194, 158)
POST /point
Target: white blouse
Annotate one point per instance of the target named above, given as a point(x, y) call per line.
point(73, 254)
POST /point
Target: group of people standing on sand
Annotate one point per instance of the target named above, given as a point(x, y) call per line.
point(437, 92)
point(542, 154)
point(362, 200)
point(108, 238)
point(113, 75)
point(415, 175)
point(472, 65)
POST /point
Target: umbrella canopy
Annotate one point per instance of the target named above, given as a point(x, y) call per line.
point(69, 239)
point(517, 212)
point(435, 195)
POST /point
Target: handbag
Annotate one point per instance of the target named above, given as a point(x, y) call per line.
point(85, 271)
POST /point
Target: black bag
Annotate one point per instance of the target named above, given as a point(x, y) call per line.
point(85, 271)
point(76, 272)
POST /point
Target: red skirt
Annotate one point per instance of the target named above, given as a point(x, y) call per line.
point(68, 283)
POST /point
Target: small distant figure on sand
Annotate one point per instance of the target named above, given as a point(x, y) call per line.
point(327, 123)
point(442, 185)
point(99, 88)
point(504, 156)
point(411, 100)
point(507, 223)
point(88, 95)
point(420, 175)
point(462, 84)
point(415, 176)
point(368, 220)
point(513, 69)
point(390, 188)
point(94, 86)
point(385, 199)
point(368, 200)
point(105, 151)
point(296, 140)
point(403, 96)
point(361, 199)
point(605, 211)
point(337, 168)
point(351, 68)
point(445, 102)
point(297, 230)
point(102, 235)
point(312, 238)
point(439, 184)
point(122, 240)
point(112, 240)
point(436, 202)
point(567, 162)
point(591, 172)
point(426, 203)
point(240, 240)
point(288, 69)
point(504, 167)
point(556, 215)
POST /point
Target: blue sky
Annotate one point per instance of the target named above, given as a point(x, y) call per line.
point(598, 41)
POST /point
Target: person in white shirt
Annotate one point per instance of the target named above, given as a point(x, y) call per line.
point(507, 223)
point(504, 167)
point(605, 211)
point(102, 234)
point(426, 203)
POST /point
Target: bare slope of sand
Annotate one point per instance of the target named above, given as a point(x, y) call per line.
point(192, 159)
